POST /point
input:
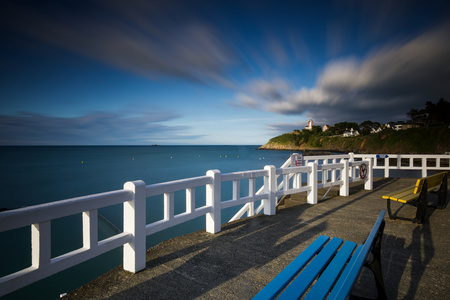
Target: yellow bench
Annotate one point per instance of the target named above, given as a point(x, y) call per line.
point(417, 195)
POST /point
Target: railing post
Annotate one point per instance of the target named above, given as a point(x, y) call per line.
point(40, 244)
point(368, 184)
point(190, 200)
point(270, 187)
point(344, 190)
point(424, 167)
point(251, 193)
point(311, 197)
point(386, 166)
point(325, 172)
point(333, 172)
point(134, 211)
point(213, 194)
point(351, 157)
point(90, 229)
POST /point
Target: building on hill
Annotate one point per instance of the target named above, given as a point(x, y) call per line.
point(350, 133)
point(325, 127)
point(376, 130)
point(310, 124)
point(405, 126)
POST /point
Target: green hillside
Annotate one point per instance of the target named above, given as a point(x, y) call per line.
point(423, 140)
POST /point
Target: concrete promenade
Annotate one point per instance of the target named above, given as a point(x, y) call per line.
point(240, 260)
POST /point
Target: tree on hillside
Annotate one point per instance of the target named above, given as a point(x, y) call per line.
point(417, 116)
point(316, 130)
point(432, 114)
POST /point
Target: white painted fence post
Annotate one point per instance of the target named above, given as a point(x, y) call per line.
point(251, 193)
point(344, 190)
point(90, 229)
point(311, 197)
point(368, 184)
point(325, 172)
point(386, 167)
point(213, 194)
point(424, 167)
point(40, 244)
point(134, 211)
point(270, 187)
point(351, 156)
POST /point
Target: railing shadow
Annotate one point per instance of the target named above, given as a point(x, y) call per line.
point(201, 262)
point(203, 266)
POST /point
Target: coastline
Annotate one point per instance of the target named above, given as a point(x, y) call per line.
point(423, 140)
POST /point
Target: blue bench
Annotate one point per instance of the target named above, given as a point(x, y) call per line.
point(329, 267)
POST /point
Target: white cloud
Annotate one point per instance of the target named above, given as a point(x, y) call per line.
point(147, 38)
point(382, 87)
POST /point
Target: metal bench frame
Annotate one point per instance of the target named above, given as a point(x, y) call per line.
point(327, 269)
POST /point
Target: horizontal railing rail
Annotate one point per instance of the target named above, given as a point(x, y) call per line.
point(316, 172)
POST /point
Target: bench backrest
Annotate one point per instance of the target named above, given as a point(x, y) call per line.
point(432, 181)
point(344, 285)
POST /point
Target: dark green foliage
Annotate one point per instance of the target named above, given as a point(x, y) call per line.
point(340, 128)
point(432, 114)
point(367, 126)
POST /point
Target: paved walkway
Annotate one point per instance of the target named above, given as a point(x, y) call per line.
point(237, 262)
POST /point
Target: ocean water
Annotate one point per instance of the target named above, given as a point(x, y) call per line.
point(35, 175)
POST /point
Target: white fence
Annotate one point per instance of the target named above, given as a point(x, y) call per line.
point(134, 198)
point(421, 162)
point(391, 162)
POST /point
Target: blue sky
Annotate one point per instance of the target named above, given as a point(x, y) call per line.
point(213, 72)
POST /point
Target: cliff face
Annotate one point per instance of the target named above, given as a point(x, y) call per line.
point(427, 140)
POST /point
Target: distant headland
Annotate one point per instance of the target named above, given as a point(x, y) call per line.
point(421, 140)
point(426, 132)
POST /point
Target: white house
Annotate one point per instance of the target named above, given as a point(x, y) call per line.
point(376, 130)
point(350, 133)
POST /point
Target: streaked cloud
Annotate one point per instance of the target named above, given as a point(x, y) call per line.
point(382, 86)
point(97, 128)
point(148, 38)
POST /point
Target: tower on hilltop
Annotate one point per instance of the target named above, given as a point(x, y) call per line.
point(310, 124)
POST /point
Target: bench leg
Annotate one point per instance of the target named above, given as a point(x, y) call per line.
point(420, 212)
point(389, 209)
point(375, 264)
point(442, 194)
point(422, 204)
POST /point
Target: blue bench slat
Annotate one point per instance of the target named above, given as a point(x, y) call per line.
point(300, 284)
point(326, 281)
point(271, 290)
point(345, 284)
point(344, 275)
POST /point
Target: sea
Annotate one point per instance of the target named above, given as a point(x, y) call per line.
point(31, 175)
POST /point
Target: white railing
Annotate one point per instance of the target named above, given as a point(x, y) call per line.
point(421, 162)
point(134, 199)
point(39, 218)
point(389, 162)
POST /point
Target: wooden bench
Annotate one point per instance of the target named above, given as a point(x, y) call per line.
point(417, 195)
point(329, 267)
